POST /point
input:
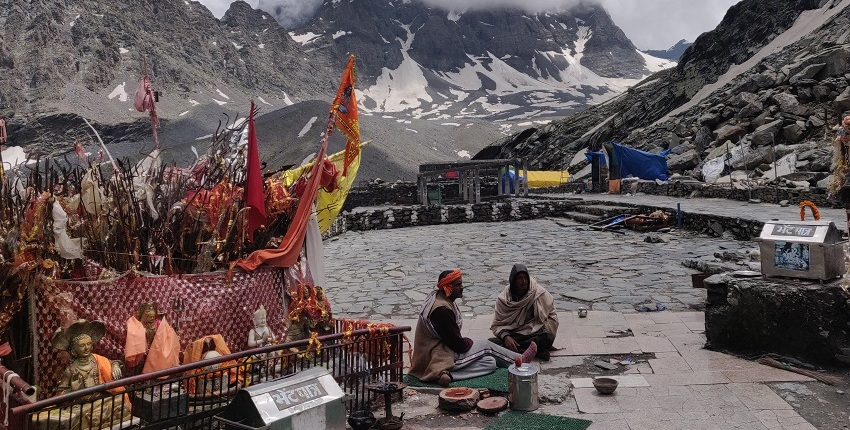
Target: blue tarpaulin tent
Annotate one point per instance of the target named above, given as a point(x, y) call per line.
point(591, 154)
point(640, 164)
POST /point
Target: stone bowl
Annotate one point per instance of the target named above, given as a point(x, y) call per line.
point(362, 420)
point(605, 385)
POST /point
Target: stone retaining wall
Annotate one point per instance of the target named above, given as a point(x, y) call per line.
point(404, 193)
point(803, 320)
point(765, 194)
point(524, 209)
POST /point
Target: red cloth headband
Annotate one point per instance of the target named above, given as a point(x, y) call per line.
point(445, 284)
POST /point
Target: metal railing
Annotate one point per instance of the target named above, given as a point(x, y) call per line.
point(190, 395)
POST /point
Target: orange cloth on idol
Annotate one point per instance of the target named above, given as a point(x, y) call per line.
point(164, 352)
point(195, 352)
point(104, 371)
point(445, 284)
point(136, 346)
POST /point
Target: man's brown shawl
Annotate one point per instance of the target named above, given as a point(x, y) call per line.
point(510, 315)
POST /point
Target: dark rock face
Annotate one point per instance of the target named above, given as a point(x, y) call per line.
point(673, 53)
point(48, 49)
point(811, 322)
point(376, 31)
point(527, 53)
point(789, 97)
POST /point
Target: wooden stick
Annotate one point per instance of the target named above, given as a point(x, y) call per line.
point(827, 379)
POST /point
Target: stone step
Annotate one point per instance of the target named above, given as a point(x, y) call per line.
point(607, 211)
point(582, 217)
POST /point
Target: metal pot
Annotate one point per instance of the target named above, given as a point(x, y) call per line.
point(522, 387)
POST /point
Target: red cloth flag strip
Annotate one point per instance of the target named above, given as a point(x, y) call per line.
point(286, 254)
point(143, 101)
point(255, 199)
point(344, 109)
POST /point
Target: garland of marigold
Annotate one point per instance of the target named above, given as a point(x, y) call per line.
point(314, 345)
point(375, 329)
point(809, 204)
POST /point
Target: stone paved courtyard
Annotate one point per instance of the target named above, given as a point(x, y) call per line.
point(386, 273)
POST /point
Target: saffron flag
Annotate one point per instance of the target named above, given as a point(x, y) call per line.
point(344, 109)
point(343, 114)
point(328, 203)
point(254, 195)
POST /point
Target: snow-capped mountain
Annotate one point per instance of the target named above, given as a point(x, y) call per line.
point(64, 60)
point(497, 64)
point(672, 53)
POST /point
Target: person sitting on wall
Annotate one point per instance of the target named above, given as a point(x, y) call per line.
point(525, 313)
point(441, 353)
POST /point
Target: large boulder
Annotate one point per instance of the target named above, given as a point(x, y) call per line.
point(750, 110)
point(765, 134)
point(793, 133)
point(807, 73)
point(730, 132)
point(842, 102)
point(788, 103)
point(684, 161)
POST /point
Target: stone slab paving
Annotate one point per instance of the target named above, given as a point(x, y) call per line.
point(386, 273)
point(686, 387)
point(723, 207)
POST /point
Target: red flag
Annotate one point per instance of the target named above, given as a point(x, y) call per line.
point(81, 152)
point(254, 195)
point(143, 101)
point(344, 109)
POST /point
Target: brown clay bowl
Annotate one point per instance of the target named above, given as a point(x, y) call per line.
point(605, 385)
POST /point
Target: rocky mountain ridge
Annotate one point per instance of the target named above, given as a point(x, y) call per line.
point(672, 53)
point(496, 64)
point(773, 72)
point(89, 55)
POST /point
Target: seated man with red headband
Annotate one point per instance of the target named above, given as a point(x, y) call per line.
point(441, 353)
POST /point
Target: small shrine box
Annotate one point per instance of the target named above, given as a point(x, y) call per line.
point(157, 404)
point(308, 400)
point(802, 249)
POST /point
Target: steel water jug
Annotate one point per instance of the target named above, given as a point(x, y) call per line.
point(522, 387)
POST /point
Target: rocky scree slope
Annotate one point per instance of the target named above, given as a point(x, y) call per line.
point(62, 58)
point(777, 82)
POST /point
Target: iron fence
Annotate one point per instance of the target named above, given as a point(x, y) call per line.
point(188, 396)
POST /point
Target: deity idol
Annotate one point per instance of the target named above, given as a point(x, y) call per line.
point(261, 334)
point(151, 343)
point(88, 370)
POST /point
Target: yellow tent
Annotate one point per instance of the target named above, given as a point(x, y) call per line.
point(544, 178)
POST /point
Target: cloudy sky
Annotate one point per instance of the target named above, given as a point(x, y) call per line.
point(650, 24)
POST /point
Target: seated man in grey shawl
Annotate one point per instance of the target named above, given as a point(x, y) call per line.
point(441, 353)
point(525, 313)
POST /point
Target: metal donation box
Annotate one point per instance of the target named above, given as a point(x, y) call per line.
point(308, 400)
point(802, 249)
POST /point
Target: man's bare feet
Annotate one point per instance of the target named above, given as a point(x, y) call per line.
point(445, 379)
point(529, 353)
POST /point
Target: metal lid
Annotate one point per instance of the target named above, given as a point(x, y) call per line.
point(525, 369)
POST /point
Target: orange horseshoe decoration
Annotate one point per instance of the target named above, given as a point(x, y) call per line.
point(808, 204)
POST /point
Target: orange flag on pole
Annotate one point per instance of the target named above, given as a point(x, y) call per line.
point(254, 196)
point(344, 109)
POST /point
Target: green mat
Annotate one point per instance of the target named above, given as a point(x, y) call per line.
point(513, 420)
point(496, 381)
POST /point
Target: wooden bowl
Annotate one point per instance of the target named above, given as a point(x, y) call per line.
point(605, 385)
